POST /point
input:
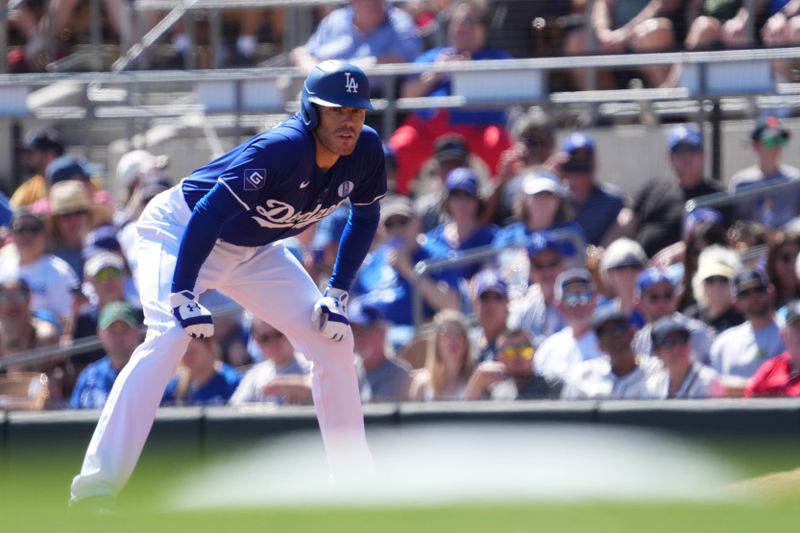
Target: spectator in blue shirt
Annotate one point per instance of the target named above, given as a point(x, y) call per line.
point(387, 276)
point(366, 32)
point(484, 129)
point(465, 230)
point(596, 205)
point(118, 330)
point(202, 379)
point(6, 213)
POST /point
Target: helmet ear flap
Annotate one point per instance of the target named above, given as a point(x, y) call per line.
point(307, 111)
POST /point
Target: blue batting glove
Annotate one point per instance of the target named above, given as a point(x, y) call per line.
point(329, 316)
point(193, 317)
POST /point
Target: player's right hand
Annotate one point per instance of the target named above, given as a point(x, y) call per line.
point(193, 317)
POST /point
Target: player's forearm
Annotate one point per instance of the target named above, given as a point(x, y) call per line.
point(355, 243)
point(202, 232)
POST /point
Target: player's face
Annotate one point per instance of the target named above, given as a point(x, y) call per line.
point(339, 128)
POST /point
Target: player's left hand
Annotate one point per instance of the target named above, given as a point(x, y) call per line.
point(329, 316)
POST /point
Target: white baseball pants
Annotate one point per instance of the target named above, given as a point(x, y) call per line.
point(266, 280)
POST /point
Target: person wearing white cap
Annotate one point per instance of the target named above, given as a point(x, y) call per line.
point(542, 206)
point(140, 174)
point(712, 285)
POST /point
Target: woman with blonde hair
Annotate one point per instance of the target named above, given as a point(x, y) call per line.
point(449, 363)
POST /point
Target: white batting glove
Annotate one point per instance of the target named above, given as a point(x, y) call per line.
point(329, 316)
point(193, 317)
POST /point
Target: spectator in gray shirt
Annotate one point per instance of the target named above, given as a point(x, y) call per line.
point(282, 378)
point(387, 378)
point(657, 299)
point(775, 209)
point(738, 351)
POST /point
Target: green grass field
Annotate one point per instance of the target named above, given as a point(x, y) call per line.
point(34, 489)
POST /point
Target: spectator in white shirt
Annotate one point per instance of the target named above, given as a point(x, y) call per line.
point(575, 299)
point(618, 375)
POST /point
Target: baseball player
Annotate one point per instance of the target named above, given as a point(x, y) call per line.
point(222, 228)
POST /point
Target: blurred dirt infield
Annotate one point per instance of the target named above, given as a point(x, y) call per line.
point(778, 484)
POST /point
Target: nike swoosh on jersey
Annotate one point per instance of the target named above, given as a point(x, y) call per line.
point(304, 184)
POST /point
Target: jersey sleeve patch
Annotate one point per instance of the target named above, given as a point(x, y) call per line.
point(254, 179)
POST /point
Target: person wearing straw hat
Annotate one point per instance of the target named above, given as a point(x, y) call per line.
point(72, 216)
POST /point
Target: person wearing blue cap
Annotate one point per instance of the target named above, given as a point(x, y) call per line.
point(387, 377)
point(768, 139)
point(656, 217)
point(490, 302)
point(738, 351)
point(465, 230)
point(536, 312)
point(657, 298)
point(596, 204)
point(620, 373)
point(681, 377)
point(39, 150)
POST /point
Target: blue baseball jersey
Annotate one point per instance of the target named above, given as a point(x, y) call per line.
point(275, 180)
point(94, 385)
point(216, 391)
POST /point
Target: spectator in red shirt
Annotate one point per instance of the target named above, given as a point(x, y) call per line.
point(780, 376)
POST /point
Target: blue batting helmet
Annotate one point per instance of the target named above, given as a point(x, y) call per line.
point(333, 83)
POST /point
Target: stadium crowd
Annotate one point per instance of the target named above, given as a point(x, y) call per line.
point(589, 292)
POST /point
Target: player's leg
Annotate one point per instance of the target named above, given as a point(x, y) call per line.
point(275, 288)
point(130, 409)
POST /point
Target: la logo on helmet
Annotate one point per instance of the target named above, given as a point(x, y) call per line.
point(350, 83)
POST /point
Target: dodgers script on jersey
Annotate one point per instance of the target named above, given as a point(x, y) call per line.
point(275, 179)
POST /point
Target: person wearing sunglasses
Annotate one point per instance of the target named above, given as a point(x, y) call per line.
point(738, 351)
point(657, 298)
point(780, 376)
point(681, 377)
point(768, 139)
point(576, 299)
point(510, 376)
point(104, 278)
point(53, 284)
point(490, 302)
point(282, 377)
point(713, 289)
point(619, 374)
point(536, 311)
